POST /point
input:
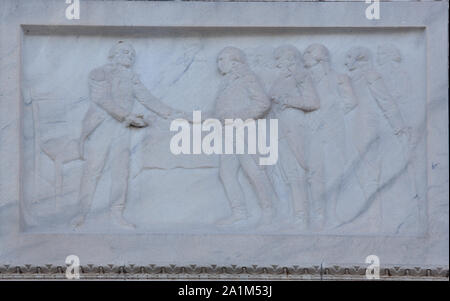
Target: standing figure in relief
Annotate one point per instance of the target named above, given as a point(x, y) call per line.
point(241, 96)
point(378, 125)
point(327, 155)
point(397, 80)
point(293, 96)
point(114, 89)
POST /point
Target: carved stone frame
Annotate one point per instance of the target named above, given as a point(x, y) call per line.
point(225, 256)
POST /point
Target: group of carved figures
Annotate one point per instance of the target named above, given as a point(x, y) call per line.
point(324, 117)
point(312, 103)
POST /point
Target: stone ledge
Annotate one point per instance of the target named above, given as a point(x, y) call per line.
point(231, 272)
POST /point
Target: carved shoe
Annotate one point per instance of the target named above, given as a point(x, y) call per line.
point(237, 216)
point(300, 220)
point(318, 222)
point(78, 220)
point(266, 216)
point(117, 217)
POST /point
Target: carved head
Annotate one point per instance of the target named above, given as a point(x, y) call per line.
point(122, 54)
point(314, 54)
point(287, 57)
point(388, 53)
point(357, 58)
point(230, 59)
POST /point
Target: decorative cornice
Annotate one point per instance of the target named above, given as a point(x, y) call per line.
point(232, 272)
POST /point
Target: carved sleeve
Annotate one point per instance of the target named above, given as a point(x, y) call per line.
point(149, 101)
point(260, 102)
point(309, 100)
point(347, 94)
point(385, 101)
point(100, 93)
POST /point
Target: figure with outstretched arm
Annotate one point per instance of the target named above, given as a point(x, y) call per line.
point(241, 96)
point(113, 89)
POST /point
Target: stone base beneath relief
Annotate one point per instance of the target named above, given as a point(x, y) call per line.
point(153, 272)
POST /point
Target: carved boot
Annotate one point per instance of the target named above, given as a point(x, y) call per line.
point(266, 216)
point(300, 220)
point(318, 222)
point(78, 220)
point(238, 214)
point(117, 217)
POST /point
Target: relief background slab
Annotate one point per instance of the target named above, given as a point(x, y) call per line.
point(170, 193)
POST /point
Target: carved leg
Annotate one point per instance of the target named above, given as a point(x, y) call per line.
point(58, 181)
point(316, 184)
point(300, 202)
point(334, 165)
point(261, 185)
point(332, 197)
point(91, 121)
point(92, 170)
point(296, 178)
point(120, 171)
point(228, 172)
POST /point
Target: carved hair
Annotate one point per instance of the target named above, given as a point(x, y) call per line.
point(280, 51)
point(362, 54)
point(235, 54)
point(390, 52)
point(118, 46)
point(319, 52)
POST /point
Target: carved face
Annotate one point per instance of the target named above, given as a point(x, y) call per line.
point(388, 53)
point(356, 58)
point(314, 54)
point(309, 58)
point(350, 61)
point(229, 59)
point(285, 58)
point(124, 55)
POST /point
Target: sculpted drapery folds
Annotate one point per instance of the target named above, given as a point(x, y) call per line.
point(294, 97)
point(114, 89)
point(378, 124)
point(327, 153)
point(241, 96)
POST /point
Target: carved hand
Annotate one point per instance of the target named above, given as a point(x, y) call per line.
point(166, 114)
point(176, 114)
point(137, 121)
point(404, 134)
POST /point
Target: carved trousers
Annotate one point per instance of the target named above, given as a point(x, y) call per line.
point(294, 176)
point(111, 140)
point(229, 168)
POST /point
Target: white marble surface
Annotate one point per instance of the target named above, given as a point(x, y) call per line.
point(391, 196)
